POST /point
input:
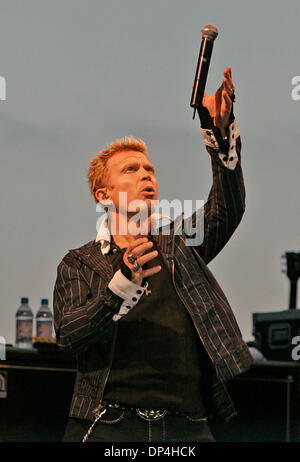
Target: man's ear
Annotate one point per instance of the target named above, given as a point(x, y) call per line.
point(101, 194)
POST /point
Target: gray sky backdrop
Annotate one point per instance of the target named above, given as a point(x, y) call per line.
point(82, 73)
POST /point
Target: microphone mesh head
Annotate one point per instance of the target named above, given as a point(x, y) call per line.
point(210, 32)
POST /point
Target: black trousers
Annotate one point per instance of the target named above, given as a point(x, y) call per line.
point(133, 428)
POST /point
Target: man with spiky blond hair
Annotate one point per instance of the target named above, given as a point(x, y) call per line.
point(154, 335)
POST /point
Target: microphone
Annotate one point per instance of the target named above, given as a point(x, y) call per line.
point(209, 34)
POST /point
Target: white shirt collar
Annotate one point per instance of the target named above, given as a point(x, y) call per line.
point(104, 236)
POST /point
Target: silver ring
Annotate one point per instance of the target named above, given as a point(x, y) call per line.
point(131, 258)
point(136, 267)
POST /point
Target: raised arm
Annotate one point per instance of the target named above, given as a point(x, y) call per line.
point(226, 202)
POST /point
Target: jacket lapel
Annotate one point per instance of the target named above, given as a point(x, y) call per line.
point(166, 244)
point(92, 256)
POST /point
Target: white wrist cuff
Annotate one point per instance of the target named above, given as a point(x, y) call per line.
point(229, 159)
point(128, 290)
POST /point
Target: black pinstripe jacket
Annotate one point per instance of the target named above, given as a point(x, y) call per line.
point(84, 305)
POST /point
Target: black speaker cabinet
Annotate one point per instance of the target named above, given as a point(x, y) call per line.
point(35, 394)
point(267, 399)
point(274, 332)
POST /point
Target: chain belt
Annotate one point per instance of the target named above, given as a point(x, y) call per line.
point(147, 414)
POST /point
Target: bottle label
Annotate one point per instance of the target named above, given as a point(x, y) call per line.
point(44, 329)
point(24, 330)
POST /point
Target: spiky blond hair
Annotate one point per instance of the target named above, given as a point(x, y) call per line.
point(97, 165)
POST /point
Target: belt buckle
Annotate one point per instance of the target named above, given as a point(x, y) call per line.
point(151, 414)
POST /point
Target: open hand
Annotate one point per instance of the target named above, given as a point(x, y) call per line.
point(219, 105)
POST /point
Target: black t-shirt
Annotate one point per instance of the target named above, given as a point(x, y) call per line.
point(159, 361)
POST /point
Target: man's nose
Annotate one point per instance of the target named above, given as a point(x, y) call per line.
point(146, 175)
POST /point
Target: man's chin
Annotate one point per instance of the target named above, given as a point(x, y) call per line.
point(147, 202)
point(143, 208)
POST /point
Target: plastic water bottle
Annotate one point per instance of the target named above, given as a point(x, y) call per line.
point(24, 321)
point(44, 320)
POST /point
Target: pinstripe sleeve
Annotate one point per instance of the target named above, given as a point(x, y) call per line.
point(79, 319)
point(225, 206)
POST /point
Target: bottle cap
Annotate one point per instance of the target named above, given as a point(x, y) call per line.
point(24, 300)
point(44, 301)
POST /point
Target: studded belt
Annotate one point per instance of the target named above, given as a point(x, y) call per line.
point(146, 414)
point(151, 414)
